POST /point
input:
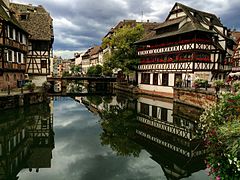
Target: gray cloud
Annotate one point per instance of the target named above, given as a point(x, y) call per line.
point(82, 24)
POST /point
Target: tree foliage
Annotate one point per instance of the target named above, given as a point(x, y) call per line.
point(95, 70)
point(123, 51)
point(119, 125)
point(221, 126)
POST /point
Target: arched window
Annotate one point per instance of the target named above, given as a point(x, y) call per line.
point(7, 77)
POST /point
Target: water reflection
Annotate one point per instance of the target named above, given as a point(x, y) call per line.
point(110, 137)
point(26, 140)
point(165, 130)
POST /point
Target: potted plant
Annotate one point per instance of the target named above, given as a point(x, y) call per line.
point(30, 86)
point(236, 86)
point(217, 84)
point(179, 82)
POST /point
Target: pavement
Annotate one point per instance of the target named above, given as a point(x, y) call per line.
point(17, 91)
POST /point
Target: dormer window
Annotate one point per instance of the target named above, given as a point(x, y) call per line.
point(23, 17)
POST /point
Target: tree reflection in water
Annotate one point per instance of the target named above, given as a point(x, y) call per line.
point(119, 126)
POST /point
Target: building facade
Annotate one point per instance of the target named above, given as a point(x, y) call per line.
point(236, 53)
point(38, 23)
point(189, 44)
point(13, 51)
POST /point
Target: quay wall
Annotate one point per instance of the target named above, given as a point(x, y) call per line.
point(18, 100)
point(194, 97)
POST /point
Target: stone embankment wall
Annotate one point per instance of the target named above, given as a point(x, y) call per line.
point(194, 97)
point(13, 101)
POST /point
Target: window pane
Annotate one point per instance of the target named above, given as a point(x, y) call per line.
point(165, 79)
point(155, 79)
point(145, 79)
point(144, 109)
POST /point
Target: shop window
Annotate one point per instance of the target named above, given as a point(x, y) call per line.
point(155, 79)
point(165, 79)
point(145, 79)
point(144, 109)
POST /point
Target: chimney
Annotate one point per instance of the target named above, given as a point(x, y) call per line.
point(7, 2)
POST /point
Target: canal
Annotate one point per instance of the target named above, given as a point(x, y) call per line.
point(102, 138)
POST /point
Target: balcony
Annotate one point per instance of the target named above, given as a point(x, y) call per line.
point(13, 66)
point(15, 44)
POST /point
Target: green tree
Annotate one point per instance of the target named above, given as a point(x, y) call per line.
point(107, 69)
point(95, 70)
point(123, 51)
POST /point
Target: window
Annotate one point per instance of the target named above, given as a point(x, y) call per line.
point(10, 32)
point(7, 77)
point(23, 17)
point(19, 57)
point(15, 57)
point(20, 37)
point(144, 109)
point(165, 79)
point(178, 80)
point(154, 111)
point(44, 63)
point(16, 35)
point(155, 79)
point(15, 77)
point(163, 114)
point(39, 46)
point(10, 55)
point(145, 79)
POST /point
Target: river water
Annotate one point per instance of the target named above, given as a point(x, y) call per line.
point(140, 138)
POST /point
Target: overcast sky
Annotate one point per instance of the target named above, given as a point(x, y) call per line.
point(80, 24)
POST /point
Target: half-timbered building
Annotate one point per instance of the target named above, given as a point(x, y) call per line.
point(189, 44)
point(13, 48)
point(236, 53)
point(38, 23)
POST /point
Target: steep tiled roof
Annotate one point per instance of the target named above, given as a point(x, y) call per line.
point(183, 24)
point(95, 50)
point(38, 21)
point(148, 26)
point(7, 15)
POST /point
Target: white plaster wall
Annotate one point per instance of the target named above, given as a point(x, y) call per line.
point(171, 79)
point(222, 43)
point(170, 116)
point(38, 80)
point(139, 78)
point(219, 28)
point(155, 102)
point(156, 88)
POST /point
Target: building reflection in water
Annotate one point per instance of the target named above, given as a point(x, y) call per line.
point(26, 140)
point(167, 131)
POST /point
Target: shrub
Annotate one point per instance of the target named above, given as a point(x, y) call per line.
point(221, 127)
point(218, 83)
point(46, 86)
point(30, 86)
